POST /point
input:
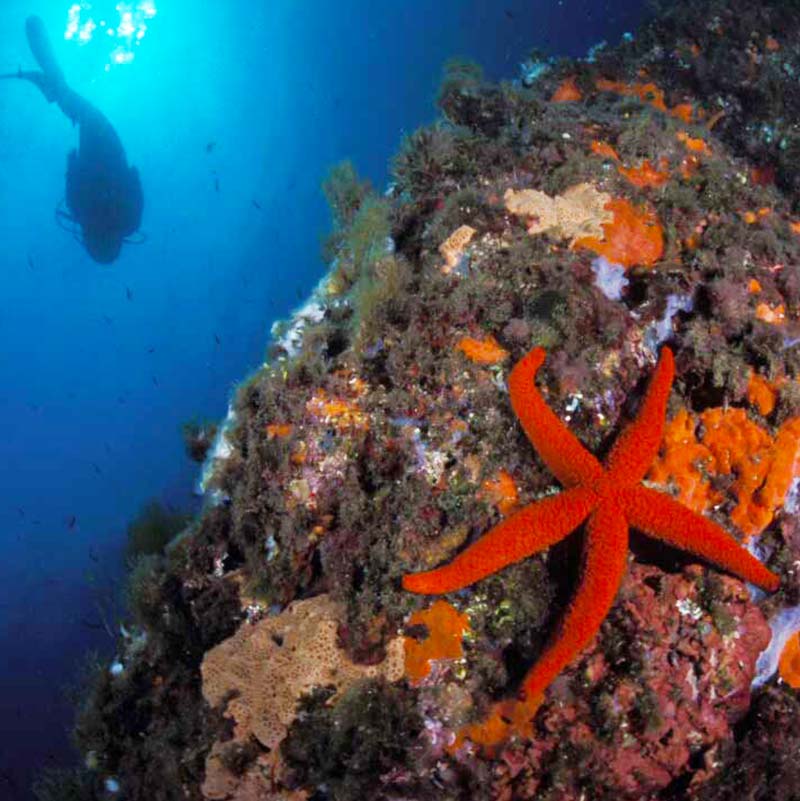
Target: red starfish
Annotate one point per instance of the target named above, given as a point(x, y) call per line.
point(611, 497)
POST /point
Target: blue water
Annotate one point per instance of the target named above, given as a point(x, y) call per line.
point(224, 104)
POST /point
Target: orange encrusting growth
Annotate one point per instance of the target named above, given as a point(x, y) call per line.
point(752, 217)
point(646, 92)
point(683, 112)
point(567, 91)
point(650, 94)
point(785, 465)
point(646, 175)
point(504, 719)
point(762, 394)
point(612, 499)
point(634, 236)
point(731, 444)
point(501, 491)
point(683, 462)
point(482, 351)
point(774, 315)
point(693, 144)
point(278, 430)
point(446, 626)
point(690, 166)
point(342, 413)
point(604, 149)
point(789, 663)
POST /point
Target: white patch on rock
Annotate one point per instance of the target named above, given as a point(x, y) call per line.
point(609, 277)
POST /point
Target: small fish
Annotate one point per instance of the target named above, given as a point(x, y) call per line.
point(21, 511)
point(121, 399)
point(155, 380)
point(151, 350)
point(256, 204)
point(210, 146)
point(93, 556)
point(128, 293)
point(108, 320)
point(97, 469)
point(217, 339)
point(71, 521)
point(216, 184)
point(509, 14)
point(30, 262)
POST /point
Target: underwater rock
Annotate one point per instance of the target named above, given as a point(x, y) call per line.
point(663, 685)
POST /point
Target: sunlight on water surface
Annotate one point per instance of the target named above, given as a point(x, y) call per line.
point(124, 24)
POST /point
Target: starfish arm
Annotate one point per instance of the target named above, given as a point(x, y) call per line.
point(605, 561)
point(559, 448)
point(637, 445)
point(532, 529)
point(663, 518)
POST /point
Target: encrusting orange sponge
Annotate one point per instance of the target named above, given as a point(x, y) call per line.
point(567, 92)
point(646, 175)
point(482, 351)
point(731, 444)
point(633, 237)
point(789, 663)
point(446, 626)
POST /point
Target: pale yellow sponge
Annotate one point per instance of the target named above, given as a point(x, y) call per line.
point(578, 212)
point(538, 207)
point(453, 247)
point(269, 665)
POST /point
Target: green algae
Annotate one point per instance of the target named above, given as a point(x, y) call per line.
point(351, 747)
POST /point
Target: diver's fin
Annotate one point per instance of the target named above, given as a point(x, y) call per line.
point(42, 50)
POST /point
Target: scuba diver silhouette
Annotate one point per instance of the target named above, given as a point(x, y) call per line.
point(104, 195)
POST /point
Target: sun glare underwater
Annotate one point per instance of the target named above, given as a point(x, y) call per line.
point(125, 25)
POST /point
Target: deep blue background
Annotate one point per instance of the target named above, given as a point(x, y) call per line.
point(89, 416)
